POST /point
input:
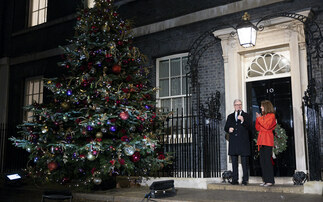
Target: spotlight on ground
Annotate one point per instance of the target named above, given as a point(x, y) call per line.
point(162, 188)
point(13, 179)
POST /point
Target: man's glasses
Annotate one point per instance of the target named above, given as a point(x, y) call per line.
point(237, 104)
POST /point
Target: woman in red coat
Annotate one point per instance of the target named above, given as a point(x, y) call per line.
point(265, 124)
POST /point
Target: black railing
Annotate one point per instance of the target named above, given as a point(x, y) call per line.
point(3, 135)
point(11, 158)
point(314, 125)
point(194, 143)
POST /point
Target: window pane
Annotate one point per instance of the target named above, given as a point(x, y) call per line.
point(41, 98)
point(163, 69)
point(30, 88)
point(184, 85)
point(41, 86)
point(41, 16)
point(34, 19)
point(177, 104)
point(42, 4)
point(185, 105)
point(30, 100)
point(36, 87)
point(184, 63)
point(164, 87)
point(165, 104)
point(45, 15)
point(175, 67)
point(36, 98)
point(176, 86)
point(35, 4)
point(90, 3)
point(261, 63)
point(29, 116)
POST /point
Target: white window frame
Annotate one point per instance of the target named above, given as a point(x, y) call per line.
point(34, 9)
point(183, 94)
point(31, 94)
point(269, 67)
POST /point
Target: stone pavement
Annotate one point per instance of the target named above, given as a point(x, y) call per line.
point(30, 193)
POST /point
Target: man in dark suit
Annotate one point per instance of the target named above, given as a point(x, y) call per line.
point(238, 125)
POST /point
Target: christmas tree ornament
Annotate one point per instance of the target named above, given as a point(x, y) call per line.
point(93, 70)
point(28, 149)
point(65, 118)
point(105, 28)
point(65, 105)
point(52, 166)
point(129, 150)
point(52, 150)
point(113, 129)
point(116, 69)
point(44, 129)
point(97, 180)
point(90, 156)
point(124, 115)
point(99, 134)
point(104, 130)
point(89, 128)
point(69, 92)
point(135, 157)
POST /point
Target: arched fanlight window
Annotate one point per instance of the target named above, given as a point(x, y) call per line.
point(269, 64)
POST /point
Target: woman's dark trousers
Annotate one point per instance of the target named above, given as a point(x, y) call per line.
point(266, 165)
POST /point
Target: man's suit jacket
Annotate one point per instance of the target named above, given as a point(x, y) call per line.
point(239, 143)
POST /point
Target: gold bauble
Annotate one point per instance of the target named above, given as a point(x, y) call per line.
point(105, 28)
point(65, 105)
point(99, 135)
point(44, 129)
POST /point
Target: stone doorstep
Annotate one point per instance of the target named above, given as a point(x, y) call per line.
point(257, 188)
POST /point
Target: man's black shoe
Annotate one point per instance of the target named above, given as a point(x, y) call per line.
point(245, 183)
point(234, 182)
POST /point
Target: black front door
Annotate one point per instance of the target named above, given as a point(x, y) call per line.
point(279, 92)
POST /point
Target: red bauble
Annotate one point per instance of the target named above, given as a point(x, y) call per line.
point(124, 115)
point(136, 157)
point(122, 161)
point(161, 156)
point(52, 166)
point(116, 69)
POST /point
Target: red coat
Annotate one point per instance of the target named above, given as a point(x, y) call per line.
point(265, 125)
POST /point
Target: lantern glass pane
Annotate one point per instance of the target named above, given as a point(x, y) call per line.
point(247, 36)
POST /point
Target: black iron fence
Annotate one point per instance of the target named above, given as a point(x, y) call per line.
point(11, 158)
point(194, 143)
point(3, 134)
point(313, 115)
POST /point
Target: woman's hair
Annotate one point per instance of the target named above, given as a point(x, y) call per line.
point(268, 107)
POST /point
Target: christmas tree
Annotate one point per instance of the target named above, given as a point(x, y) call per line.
point(101, 119)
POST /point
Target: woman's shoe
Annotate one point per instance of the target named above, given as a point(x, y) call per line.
point(262, 184)
point(268, 184)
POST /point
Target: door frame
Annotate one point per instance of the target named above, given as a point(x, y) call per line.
point(274, 83)
point(279, 33)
